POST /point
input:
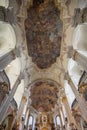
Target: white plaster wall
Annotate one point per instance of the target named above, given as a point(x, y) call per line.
point(82, 3)
point(69, 93)
point(4, 3)
point(80, 37)
point(13, 71)
point(19, 93)
point(75, 71)
point(7, 38)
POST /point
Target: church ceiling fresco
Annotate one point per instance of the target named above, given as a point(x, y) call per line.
point(43, 95)
point(43, 32)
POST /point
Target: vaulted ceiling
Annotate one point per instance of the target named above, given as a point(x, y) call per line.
point(43, 27)
point(44, 33)
point(48, 30)
point(44, 36)
point(44, 95)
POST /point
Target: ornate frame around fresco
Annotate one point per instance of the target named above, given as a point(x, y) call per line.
point(42, 90)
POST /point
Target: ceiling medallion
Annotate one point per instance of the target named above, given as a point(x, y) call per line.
point(43, 33)
point(43, 95)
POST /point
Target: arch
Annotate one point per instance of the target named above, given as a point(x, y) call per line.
point(43, 80)
point(44, 94)
point(7, 38)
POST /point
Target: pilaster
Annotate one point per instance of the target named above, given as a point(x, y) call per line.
point(82, 104)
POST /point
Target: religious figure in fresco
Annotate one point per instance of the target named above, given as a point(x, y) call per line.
point(43, 96)
point(43, 32)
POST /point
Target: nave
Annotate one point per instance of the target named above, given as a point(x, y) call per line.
point(43, 64)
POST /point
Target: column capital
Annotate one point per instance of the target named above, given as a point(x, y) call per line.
point(74, 54)
point(82, 88)
point(71, 52)
point(67, 77)
point(24, 99)
point(64, 99)
point(78, 57)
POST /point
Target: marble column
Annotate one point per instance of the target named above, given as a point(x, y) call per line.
point(71, 120)
point(61, 111)
point(82, 104)
point(9, 98)
point(63, 116)
point(34, 121)
point(61, 120)
point(27, 118)
point(20, 112)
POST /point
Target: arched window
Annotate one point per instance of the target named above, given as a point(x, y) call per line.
point(30, 123)
point(57, 120)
